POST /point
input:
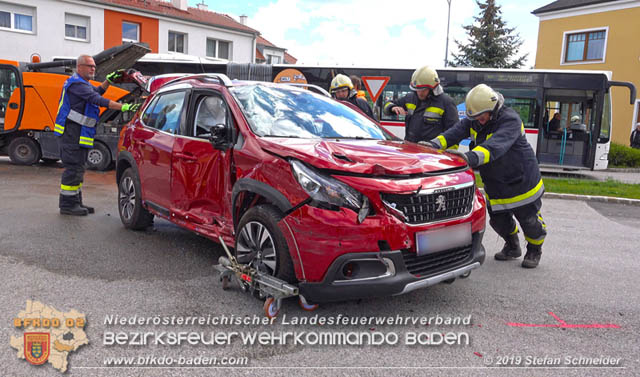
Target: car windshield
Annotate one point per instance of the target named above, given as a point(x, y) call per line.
point(296, 112)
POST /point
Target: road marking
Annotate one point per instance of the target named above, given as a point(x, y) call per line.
point(563, 324)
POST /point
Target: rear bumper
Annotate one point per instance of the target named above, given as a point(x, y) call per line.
point(404, 273)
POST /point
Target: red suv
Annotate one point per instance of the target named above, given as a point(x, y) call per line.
point(301, 186)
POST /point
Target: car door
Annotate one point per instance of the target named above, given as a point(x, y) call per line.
point(200, 183)
point(154, 142)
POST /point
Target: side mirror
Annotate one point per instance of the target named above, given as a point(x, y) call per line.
point(218, 136)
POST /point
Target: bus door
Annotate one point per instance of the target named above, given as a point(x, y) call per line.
point(569, 128)
point(11, 98)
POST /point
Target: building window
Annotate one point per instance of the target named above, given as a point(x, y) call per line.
point(218, 49)
point(273, 59)
point(76, 27)
point(17, 17)
point(177, 42)
point(130, 32)
point(587, 46)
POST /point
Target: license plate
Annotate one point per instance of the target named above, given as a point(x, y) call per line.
point(432, 241)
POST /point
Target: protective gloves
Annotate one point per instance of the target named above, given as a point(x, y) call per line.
point(113, 77)
point(460, 154)
point(429, 144)
point(130, 107)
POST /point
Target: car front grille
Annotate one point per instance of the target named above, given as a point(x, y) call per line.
point(437, 205)
point(431, 263)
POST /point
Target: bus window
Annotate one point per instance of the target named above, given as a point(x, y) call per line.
point(605, 126)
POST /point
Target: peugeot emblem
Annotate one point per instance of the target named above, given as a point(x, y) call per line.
point(440, 202)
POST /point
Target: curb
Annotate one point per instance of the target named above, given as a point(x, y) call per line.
point(592, 198)
point(622, 170)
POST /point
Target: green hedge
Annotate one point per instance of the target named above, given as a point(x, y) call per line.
point(623, 157)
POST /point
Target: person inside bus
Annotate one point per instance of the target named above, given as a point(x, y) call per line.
point(342, 89)
point(428, 110)
point(635, 137)
point(555, 123)
point(357, 86)
point(508, 167)
point(577, 125)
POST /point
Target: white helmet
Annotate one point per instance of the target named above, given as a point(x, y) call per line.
point(339, 82)
point(426, 77)
point(482, 99)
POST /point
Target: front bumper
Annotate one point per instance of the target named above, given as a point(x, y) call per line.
point(405, 272)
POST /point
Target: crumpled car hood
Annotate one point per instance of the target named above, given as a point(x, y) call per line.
point(375, 157)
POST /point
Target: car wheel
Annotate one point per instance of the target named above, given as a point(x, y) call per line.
point(132, 214)
point(260, 243)
point(24, 151)
point(99, 157)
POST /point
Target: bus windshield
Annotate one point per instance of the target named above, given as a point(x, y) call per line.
point(293, 112)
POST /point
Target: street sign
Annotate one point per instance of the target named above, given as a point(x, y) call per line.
point(375, 85)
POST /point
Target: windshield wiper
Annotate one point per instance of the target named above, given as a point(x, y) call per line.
point(288, 137)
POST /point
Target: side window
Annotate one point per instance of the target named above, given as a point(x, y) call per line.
point(146, 116)
point(165, 115)
point(211, 111)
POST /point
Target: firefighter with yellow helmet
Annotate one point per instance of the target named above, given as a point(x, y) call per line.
point(428, 110)
point(342, 89)
point(508, 167)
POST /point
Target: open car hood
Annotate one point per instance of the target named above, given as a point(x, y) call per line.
point(375, 157)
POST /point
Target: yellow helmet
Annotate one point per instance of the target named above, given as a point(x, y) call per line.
point(426, 77)
point(481, 99)
point(339, 82)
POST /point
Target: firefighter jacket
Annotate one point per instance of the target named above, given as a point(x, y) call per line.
point(361, 103)
point(505, 160)
point(87, 119)
point(425, 119)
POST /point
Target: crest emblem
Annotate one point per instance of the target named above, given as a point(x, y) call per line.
point(440, 202)
point(36, 347)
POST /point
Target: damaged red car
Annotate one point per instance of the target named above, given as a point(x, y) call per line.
point(301, 187)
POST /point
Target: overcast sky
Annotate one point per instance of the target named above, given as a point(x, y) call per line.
point(374, 33)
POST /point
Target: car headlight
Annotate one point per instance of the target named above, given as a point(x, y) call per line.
point(327, 190)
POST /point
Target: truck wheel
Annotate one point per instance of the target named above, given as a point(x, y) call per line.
point(24, 151)
point(132, 214)
point(260, 243)
point(99, 157)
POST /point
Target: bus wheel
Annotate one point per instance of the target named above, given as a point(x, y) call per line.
point(24, 151)
point(99, 157)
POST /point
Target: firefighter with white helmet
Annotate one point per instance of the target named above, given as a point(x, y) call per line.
point(428, 110)
point(508, 167)
point(342, 89)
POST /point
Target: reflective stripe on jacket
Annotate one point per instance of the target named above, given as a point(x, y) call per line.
point(88, 120)
point(505, 160)
point(425, 119)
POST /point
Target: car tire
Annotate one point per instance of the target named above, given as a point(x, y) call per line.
point(99, 157)
point(271, 255)
point(24, 151)
point(132, 214)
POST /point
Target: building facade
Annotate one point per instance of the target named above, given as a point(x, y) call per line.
point(595, 35)
point(68, 28)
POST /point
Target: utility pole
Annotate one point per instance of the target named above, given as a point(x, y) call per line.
point(446, 46)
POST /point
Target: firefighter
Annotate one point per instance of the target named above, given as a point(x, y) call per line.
point(342, 89)
point(78, 112)
point(509, 170)
point(428, 110)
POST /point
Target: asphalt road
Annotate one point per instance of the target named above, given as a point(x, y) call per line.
point(588, 279)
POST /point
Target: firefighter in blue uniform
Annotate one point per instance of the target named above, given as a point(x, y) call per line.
point(428, 111)
point(342, 89)
point(508, 167)
point(77, 117)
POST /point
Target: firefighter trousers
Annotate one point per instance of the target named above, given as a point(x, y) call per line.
point(529, 218)
point(74, 158)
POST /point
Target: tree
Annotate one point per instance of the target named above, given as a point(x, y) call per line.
point(490, 43)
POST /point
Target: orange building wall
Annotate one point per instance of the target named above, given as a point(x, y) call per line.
point(113, 29)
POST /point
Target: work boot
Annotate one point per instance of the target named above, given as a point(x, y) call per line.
point(89, 209)
point(511, 249)
point(532, 258)
point(76, 210)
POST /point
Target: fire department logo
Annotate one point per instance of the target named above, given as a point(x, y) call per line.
point(440, 202)
point(36, 347)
